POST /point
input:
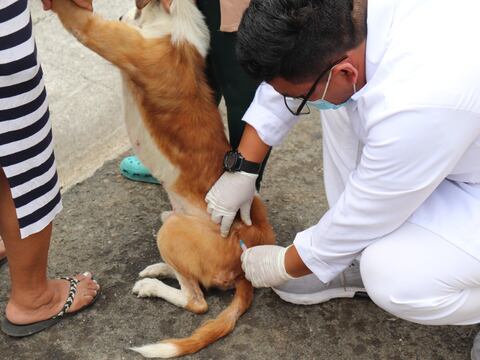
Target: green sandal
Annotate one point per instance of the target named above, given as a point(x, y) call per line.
point(132, 168)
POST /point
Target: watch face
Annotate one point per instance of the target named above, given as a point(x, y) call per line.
point(230, 160)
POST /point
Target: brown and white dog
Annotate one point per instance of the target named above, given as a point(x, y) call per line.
point(176, 130)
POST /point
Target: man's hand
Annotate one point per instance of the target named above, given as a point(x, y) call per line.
point(86, 4)
point(264, 266)
point(233, 191)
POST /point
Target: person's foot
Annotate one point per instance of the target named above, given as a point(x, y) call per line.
point(309, 290)
point(475, 353)
point(132, 168)
point(51, 302)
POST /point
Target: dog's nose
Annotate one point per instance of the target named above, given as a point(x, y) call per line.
point(120, 18)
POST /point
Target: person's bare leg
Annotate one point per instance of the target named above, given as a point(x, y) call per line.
point(33, 296)
point(2, 249)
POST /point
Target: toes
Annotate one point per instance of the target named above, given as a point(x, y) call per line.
point(85, 275)
point(87, 290)
point(93, 285)
point(88, 287)
point(90, 294)
point(87, 279)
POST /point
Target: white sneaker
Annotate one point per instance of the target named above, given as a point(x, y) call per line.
point(309, 290)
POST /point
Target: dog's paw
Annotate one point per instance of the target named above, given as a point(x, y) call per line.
point(160, 270)
point(146, 288)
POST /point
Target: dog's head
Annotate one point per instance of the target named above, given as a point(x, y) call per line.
point(151, 17)
point(179, 18)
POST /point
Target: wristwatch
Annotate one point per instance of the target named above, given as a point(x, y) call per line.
point(234, 161)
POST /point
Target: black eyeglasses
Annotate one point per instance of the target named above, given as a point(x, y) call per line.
point(303, 108)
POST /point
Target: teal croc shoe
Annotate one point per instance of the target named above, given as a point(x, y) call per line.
point(132, 168)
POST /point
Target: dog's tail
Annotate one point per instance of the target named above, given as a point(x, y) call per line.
point(207, 333)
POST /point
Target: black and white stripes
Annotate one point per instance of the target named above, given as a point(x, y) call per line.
point(26, 147)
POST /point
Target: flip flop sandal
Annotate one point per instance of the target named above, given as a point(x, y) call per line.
point(3, 261)
point(132, 168)
point(29, 329)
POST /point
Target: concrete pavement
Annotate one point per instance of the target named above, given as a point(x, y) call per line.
point(109, 224)
point(85, 103)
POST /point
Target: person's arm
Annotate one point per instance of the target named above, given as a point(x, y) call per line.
point(269, 116)
point(252, 146)
point(405, 159)
point(294, 265)
point(272, 265)
point(268, 122)
point(86, 4)
point(234, 191)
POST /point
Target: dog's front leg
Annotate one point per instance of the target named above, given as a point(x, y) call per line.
point(113, 40)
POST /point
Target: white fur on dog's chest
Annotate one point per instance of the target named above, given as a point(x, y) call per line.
point(143, 144)
point(152, 157)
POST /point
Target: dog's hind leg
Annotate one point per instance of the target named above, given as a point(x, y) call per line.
point(189, 297)
point(160, 270)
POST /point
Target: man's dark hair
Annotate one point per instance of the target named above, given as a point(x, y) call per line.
point(297, 39)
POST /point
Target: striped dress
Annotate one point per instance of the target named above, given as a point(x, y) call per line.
point(26, 147)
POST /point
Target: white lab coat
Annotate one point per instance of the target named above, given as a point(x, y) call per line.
point(417, 122)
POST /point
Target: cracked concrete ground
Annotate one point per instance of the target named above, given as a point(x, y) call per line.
point(108, 226)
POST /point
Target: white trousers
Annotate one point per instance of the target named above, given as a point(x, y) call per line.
point(411, 273)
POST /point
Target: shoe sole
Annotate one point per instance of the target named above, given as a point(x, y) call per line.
point(321, 296)
point(140, 178)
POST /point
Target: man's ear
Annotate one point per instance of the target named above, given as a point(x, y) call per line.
point(347, 70)
point(141, 3)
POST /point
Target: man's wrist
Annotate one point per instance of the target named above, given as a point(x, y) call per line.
point(283, 271)
point(294, 265)
point(234, 161)
point(251, 146)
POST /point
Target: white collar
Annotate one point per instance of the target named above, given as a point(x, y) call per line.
point(379, 24)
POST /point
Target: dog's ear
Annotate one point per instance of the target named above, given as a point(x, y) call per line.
point(142, 3)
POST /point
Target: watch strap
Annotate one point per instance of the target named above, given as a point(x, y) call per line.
point(234, 161)
point(249, 166)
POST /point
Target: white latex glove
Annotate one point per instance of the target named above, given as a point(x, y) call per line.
point(264, 265)
point(231, 192)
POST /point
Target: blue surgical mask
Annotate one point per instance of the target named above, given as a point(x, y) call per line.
point(322, 104)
